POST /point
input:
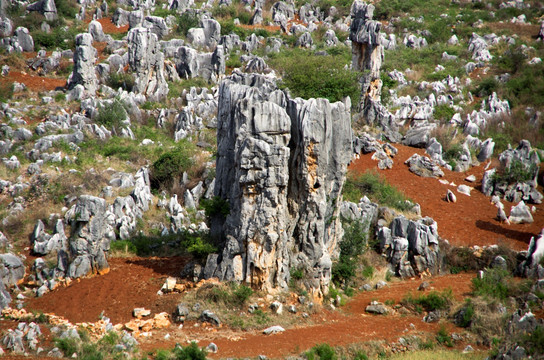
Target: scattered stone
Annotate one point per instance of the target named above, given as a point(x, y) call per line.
point(276, 329)
point(377, 308)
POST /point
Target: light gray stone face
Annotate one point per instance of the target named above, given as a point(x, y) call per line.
point(411, 247)
point(84, 60)
point(146, 62)
point(191, 63)
point(90, 237)
point(281, 166)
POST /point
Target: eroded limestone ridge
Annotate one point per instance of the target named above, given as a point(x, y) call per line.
point(367, 57)
point(281, 166)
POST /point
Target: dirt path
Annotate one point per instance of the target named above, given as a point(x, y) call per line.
point(469, 221)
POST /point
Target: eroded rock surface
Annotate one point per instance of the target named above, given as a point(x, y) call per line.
point(281, 165)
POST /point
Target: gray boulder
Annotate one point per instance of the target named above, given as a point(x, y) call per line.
point(146, 61)
point(191, 63)
point(24, 39)
point(44, 7)
point(411, 247)
point(90, 237)
point(423, 166)
point(520, 214)
point(84, 61)
point(12, 269)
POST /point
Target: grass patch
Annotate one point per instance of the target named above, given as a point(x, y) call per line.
point(376, 188)
point(308, 75)
point(495, 283)
point(197, 245)
point(430, 302)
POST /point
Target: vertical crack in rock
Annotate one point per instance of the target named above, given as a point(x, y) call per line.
point(281, 166)
point(146, 61)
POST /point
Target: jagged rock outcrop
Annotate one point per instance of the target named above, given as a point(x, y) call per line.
point(531, 266)
point(281, 166)
point(191, 63)
point(84, 59)
point(146, 62)
point(45, 7)
point(517, 176)
point(367, 57)
point(90, 237)
point(411, 247)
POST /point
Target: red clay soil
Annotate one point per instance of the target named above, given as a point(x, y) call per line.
point(354, 325)
point(471, 220)
point(134, 282)
point(34, 82)
point(131, 283)
point(109, 27)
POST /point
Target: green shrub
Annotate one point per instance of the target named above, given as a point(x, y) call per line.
point(6, 91)
point(190, 352)
point(321, 352)
point(468, 314)
point(368, 272)
point(297, 274)
point(126, 246)
point(494, 284)
point(486, 87)
point(169, 167)
point(68, 346)
point(186, 21)
point(351, 246)
point(67, 8)
point(117, 80)
point(443, 112)
point(443, 337)
point(516, 172)
point(233, 295)
point(376, 188)
point(432, 301)
point(534, 342)
point(308, 75)
point(111, 115)
point(215, 206)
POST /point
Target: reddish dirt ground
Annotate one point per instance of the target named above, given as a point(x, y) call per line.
point(34, 82)
point(352, 325)
point(471, 220)
point(131, 283)
point(134, 282)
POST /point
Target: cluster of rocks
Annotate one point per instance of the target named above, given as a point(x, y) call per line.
point(516, 179)
point(411, 246)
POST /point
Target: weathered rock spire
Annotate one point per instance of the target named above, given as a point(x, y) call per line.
point(281, 166)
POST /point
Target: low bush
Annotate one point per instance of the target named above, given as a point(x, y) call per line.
point(230, 295)
point(534, 342)
point(111, 115)
point(6, 91)
point(495, 283)
point(215, 206)
point(190, 352)
point(117, 80)
point(308, 75)
point(351, 246)
point(186, 21)
point(431, 301)
point(321, 352)
point(170, 166)
point(516, 172)
point(443, 337)
point(376, 188)
point(195, 244)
